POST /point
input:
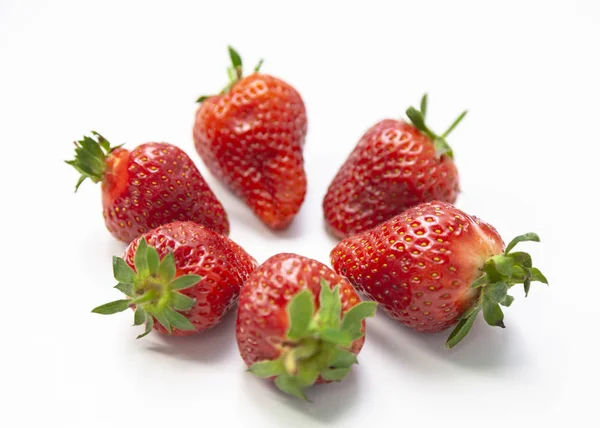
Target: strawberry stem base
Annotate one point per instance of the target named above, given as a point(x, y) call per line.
point(153, 289)
point(499, 274)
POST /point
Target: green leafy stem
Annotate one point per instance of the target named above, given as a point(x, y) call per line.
point(317, 344)
point(235, 72)
point(417, 117)
point(90, 158)
point(153, 289)
point(499, 274)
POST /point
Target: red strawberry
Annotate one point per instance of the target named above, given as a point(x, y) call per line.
point(251, 137)
point(394, 166)
point(434, 265)
point(154, 184)
point(182, 275)
point(299, 323)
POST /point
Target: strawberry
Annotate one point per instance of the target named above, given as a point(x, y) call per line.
point(182, 275)
point(394, 166)
point(251, 137)
point(299, 323)
point(154, 184)
point(434, 265)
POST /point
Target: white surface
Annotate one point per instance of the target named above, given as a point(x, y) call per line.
point(527, 154)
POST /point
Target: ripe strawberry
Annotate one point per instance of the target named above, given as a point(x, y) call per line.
point(154, 184)
point(394, 166)
point(251, 137)
point(299, 323)
point(434, 265)
point(182, 275)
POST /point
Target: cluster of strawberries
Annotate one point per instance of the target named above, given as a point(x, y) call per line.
point(428, 264)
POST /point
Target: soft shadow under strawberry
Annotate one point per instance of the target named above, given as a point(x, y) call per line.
point(209, 346)
point(329, 402)
point(484, 350)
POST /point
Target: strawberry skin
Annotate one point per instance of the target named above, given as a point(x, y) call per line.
point(421, 267)
point(154, 184)
point(394, 166)
point(251, 137)
point(219, 265)
point(263, 318)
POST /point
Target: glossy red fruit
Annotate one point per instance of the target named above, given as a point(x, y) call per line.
point(394, 166)
point(299, 323)
point(433, 266)
point(251, 137)
point(181, 278)
point(154, 184)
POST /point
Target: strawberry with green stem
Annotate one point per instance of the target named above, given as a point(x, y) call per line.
point(251, 136)
point(395, 165)
point(153, 184)
point(434, 266)
point(181, 275)
point(299, 323)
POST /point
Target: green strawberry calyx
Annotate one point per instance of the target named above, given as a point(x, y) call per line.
point(235, 73)
point(417, 118)
point(499, 274)
point(90, 158)
point(153, 289)
point(317, 343)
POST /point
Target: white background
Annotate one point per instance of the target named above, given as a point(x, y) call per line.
point(527, 155)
